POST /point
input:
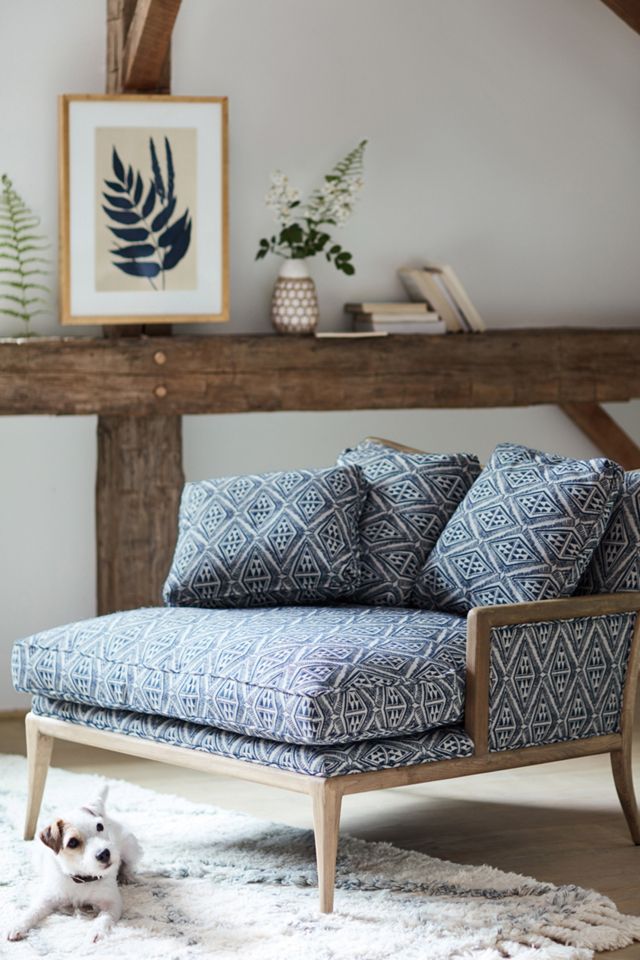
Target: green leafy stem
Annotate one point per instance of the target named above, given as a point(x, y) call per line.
point(299, 242)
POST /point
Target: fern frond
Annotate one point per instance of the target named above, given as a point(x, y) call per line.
point(21, 249)
point(352, 165)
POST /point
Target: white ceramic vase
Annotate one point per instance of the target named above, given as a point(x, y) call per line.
point(294, 306)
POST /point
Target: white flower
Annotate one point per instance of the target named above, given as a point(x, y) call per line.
point(280, 197)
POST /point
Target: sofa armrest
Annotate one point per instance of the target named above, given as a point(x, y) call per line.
point(530, 664)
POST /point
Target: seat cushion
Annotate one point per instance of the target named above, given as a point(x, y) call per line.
point(364, 756)
point(526, 531)
point(411, 497)
point(296, 674)
point(268, 539)
point(615, 565)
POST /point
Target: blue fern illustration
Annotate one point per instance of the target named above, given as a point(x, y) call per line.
point(152, 243)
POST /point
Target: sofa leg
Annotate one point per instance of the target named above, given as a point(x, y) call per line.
point(623, 779)
point(39, 747)
point(327, 800)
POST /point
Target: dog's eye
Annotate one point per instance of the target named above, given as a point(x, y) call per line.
point(73, 843)
point(99, 827)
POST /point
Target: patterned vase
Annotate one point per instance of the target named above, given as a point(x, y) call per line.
point(294, 306)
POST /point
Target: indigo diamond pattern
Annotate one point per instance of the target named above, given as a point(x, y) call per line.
point(270, 539)
point(362, 757)
point(525, 531)
point(615, 565)
point(560, 680)
point(297, 674)
point(411, 498)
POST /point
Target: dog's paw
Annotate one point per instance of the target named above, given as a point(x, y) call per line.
point(126, 876)
point(99, 930)
point(16, 933)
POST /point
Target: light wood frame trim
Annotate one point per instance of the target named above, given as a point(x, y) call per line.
point(394, 445)
point(482, 620)
point(66, 317)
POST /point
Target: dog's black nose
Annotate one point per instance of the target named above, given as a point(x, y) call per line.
point(103, 856)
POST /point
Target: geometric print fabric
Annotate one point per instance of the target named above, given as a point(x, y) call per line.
point(330, 761)
point(615, 565)
point(555, 681)
point(273, 538)
point(306, 675)
point(410, 500)
point(525, 531)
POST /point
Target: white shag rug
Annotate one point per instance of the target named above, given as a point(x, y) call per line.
point(217, 884)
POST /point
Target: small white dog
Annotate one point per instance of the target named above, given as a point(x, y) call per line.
point(81, 859)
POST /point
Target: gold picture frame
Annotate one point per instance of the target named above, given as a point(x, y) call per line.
point(144, 209)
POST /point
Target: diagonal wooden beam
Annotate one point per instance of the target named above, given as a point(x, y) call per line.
point(628, 10)
point(147, 45)
point(607, 435)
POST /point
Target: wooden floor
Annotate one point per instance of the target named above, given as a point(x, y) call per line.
point(559, 822)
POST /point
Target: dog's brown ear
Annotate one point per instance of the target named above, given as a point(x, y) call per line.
point(51, 836)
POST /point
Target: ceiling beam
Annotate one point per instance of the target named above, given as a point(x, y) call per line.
point(628, 10)
point(147, 45)
point(605, 433)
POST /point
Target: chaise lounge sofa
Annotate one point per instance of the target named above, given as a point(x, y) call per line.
point(398, 618)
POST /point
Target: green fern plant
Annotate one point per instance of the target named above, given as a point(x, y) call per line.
point(23, 265)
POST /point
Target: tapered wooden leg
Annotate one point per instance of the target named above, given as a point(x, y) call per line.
point(327, 800)
point(623, 779)
point(39, 749)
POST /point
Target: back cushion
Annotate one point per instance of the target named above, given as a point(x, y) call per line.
point(411, 497)
point(615, 565)
point(275, 538)
point(526, 531)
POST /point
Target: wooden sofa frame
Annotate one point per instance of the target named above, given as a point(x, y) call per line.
point(327, 793)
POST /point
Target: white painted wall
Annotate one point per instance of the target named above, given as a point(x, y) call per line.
point(504, 138)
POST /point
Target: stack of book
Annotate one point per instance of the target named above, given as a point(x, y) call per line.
point(439, 288)
point(395, 318)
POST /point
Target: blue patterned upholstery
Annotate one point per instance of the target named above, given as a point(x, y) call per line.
point(411, 497)
point(296, 674)
point(557, 680)
point(615, 565)
point(331, 761)
point(269, 539)
point(525, 531)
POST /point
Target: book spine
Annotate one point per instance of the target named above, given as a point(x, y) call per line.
point(439, 279)
point(453, 281)
point(388, 309)
point(364, 323)
point(427, 317)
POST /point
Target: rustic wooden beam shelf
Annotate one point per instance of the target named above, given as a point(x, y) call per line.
point(143, 376)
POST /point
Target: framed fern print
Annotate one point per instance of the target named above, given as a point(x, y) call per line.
point(143, 209)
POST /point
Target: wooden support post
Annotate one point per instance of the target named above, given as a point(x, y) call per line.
point(610, 438)
point(139, 45)
point(146, 55)
point(139, 476)
point(137, 493)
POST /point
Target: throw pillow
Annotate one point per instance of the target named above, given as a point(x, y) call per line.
point(411, 497)
point(525, 531)
point(615, 565)
point(275, 538)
